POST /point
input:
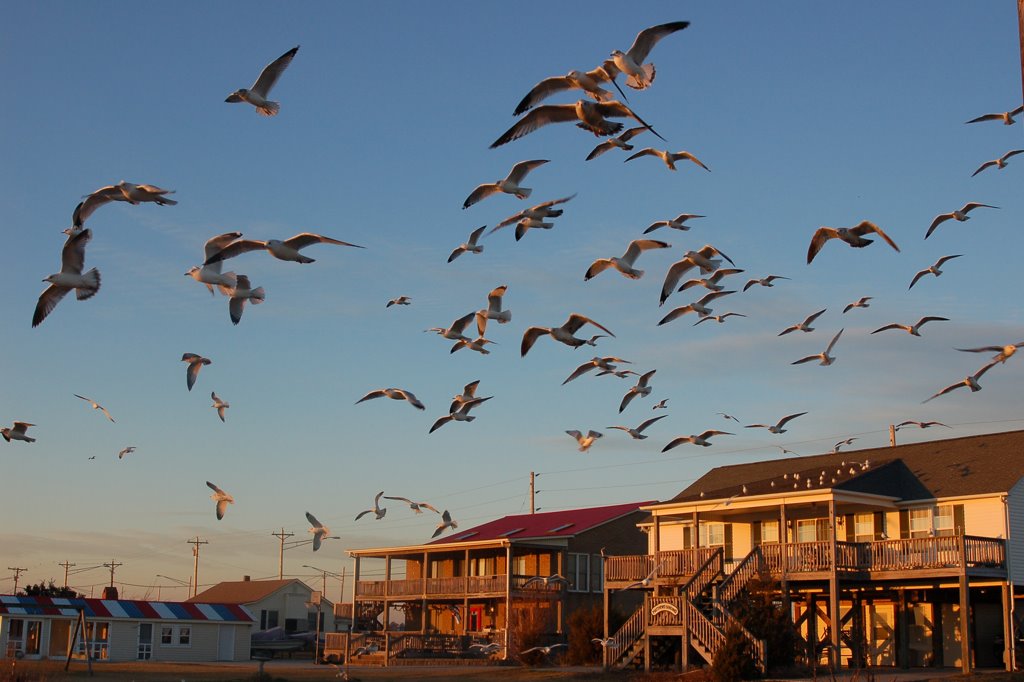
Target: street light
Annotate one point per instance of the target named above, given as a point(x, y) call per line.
point(180, 582)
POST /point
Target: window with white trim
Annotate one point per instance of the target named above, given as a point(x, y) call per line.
point(96, 638)
point(769, 532)
point(712, 534)
point(596, 573)
point(578, 572)
point(812, 530)
point(920, 523)
point(944, 520)
point(176, 635)
point(864, 527)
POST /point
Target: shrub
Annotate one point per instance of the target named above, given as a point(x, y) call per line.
point(584, 625)
point(734, 661)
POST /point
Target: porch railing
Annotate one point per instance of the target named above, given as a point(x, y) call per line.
point(751, 566)
point(674, 563)
point(627, 635)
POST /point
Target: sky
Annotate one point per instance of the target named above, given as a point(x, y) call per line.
point(806, 113)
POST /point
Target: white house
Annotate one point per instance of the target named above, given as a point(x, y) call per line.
point(273, 603)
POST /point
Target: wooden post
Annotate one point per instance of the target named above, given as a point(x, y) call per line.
point(647, 633)
point(965, 609)
point(508, 600)
point(833, 588)
point(606, 635)
point(686, 635)
point(902, 630)
point(892, 435)
point(1020, 28)
point(1008, 643)
point(387, 642)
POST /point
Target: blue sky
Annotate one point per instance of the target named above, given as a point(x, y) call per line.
point(807, 113)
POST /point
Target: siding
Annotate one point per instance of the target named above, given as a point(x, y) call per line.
point(1014, 549)
point(123, 640)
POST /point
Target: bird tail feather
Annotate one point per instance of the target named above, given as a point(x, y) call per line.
point(91, 286)
point(257, 296)
point(269, 109)
point(643, 82)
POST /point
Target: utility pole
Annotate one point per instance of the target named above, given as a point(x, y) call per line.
point(112, 565)
point(195, 563)
point(533, 487)
point(17, 575)
point(66, 566)
point(280, 557)
point(1020, 28)
point(892, 427)
point(341, 595)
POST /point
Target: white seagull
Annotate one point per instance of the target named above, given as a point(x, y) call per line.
point(970, 381)
point(699, 439)
point(624, 264)
point(621, 141)
point(17, 432)
point(126, 451)
point(999, 163)
point(638, 432)
point(932, 269)
point(1005, 116)
point(543, 649)
point(1002, 352)
point(211, 274)
point(701, 258)
point(287, 249)
point(606, 364)
point(510, 185)
point(854, 236)
point(563, 334)
point(711, 282)
point(260, 90)
point(468, 393)
point(587, 81)
point(960, 215)
point(718, 318)
point(454, 332)
point(728, 416)
point(661, 404)
point(394, 394)
point(470, 245)
point(95, 405)
point(631, 62)
point(640, 389)
point(646, 581)
point(677, 223)
point(461, 414)
point(920, 425)
point(823, 358)
point(804, 326)
point(912, 329)
point(417, 507)
point(493, 310)
point(377, 511)
point(122, 191)
point(196, 364)
point(668, 157)
point(320, 531)
point(70, 277)
point(446, 522)
point(840, 444)
point(699, 306)
point(585, 441)
point(219, 404)
point(222, 499)
point(401, 300)
point(242, 293)
point(861, 302)
point(535, 213)
point(590, 116)
point(776, 428)
point(764, 281)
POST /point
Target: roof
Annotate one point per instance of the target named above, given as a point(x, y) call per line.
point(954, 467)
point(557, 524)
point(123, 608)
point(243, 591)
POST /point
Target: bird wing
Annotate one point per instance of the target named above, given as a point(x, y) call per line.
point(580, 371)
point(676, 313)
point(644, 425)
point(235, 308)
point(971, 205)
point(222, 506)
point(530, 337)
point(379, 393)
point(983, 349)
point(313, 521)
point(191, 372)
point(85, 208)
point(456, 252)
point(575, 321)
point(707, 298)
point(712, 432)
point(806, 359)
point(441, 422)
point(980, 168)
point(413, 400)
point(867, 226)
point(459, 325)
point(832, 343)
point(644, 378)
point(919, 275)
point(675, 442)
point(494, 298)
point(947, 389)
point(674, 274)
point(272, 72)
point(648, 38)
point(627, 399)
point(236, 248)
point(521, 169)
point(708, 251)
point(541, 116)
point(646, 151)
point(931, 318)
point(782, 422)
point(638, 246)
point(616, 109)
point(1008, 155)
point(216, 244)
point(304, 239)
point(72, 255)
point(475, 235)
point(214, 488)
point(821, 235)
point(986, 117)
point(599, 150)
point(431, 507)
point(542, 91)
point(481, 192)
point(48, 300)
point(597, 267)
point(811, 318)
point(575, 434)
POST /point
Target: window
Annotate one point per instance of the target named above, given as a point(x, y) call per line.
point(864, 527)
point(481, 566)
point(812, 530)
point(920, 523)
point(769, 532)
point(596, 574)
point(96, 636)
point(268, 619)
point(145, 641)
point(15, 637)
point(519, 565)
point(184, 636)
point(712, 535)
point(578, 572)
point(944, 523)
point(175, 635)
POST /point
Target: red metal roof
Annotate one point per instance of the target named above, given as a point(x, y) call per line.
point(556, 524)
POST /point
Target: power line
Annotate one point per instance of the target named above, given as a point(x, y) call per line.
point(17, 575)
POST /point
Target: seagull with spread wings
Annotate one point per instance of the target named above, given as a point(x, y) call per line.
point(624, 263)
point(642, 389)
point(585, 441)
point(563, 334)
point(70, 277)
point(535, 214)
point(17, 432)
point(320, 531)
point(621, 141)
point(460, 414)
point(394, 394)
point(701, 258)
point(804, 326)
point(999, 163)
point(417, 507)
point(260, 90)
point(1005, 116)
point(777, 427)
point(122, 191)
point(512, 184)
point(920, 425)
point(768, 281)
point(638, 432)
point(222, 499)
point(287, 249)
point(702, 439)
point(959, 214)
point(95, 406)
point(377, 511)
point(219, 405)
point(195, 363)
point(932, 269)
point(446, 522)
point(606, 364)
point(631, 62)
point(677, 223)
point(1002, 352)
point(824, 359)
point(668, 157)
point(854, 236)
point(699, 306)
point(126, 451)
point(590, 116)
point(401, 300)
point(970, 381)
point(470, 245)
point(912, 329)
point(861, 302)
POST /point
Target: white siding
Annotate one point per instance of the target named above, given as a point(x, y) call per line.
point(1015, 543)
point(671, 537)
point(123, 641)
point(985, 517)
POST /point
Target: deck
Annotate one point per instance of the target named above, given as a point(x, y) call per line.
point(454, 587)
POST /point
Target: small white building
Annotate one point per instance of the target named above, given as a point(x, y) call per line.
point(124, 630)
point(273, 603)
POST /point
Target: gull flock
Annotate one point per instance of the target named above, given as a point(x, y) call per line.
point(592, 116)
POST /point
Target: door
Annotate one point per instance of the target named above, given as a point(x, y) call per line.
point(60, 634)
point(225, 642)
point(145, 641)
point(881, 633)
point(476, 618)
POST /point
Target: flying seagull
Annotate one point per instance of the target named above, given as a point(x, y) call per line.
point(17, 432)
point(624, 264)
point(468, 393)
point(699, 439)
point(260, 90)
point(764, 281)
point(711, 282)
point(394, 394)
point(701, 258)
point(95, 405)
point(126, 451)
point(493, 310)
point(932, 269)
point(970, 381)
point(677, 223)
point(699, 306)
point(668, 157)
point(631, 62)
point(401, 300)
point(640, 389)
point(320, 531)
point(70, 277)
point(959, 214)
point(563, 334)
point(287, 249)
point(122, 191)
point(661, 404)
point(377, 511)
point(840, 444)
point(222, 499)
point(638, 432)
point(195, 363)
point(920, 425)
point(1002, 352)
point(454, 332)
point(604, 364)
point(211, 274)
point(546, 580)
point(590, 116)
point(999, 163)
point(585, 441)
point(219, 404)
point(861, 302)
point(470, 245)
point(776, 428)
point(912, 329)
point(417, 507)
point(823, 358)
point(621, 141)
point(461, 414)
point(543, 649)
point(240, 295)
point(1006, 116)
point(804, 326)
point(646, 581)
point(510, 185)
point(537, 214)
point(718, 318)
point(854, 236)
point(446, 522)
point(587, 81)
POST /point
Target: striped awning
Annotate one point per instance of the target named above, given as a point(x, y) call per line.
point(123, 609)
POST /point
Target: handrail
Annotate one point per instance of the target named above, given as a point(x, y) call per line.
point(629, 633)
point(704, 575)
point(740, 576)
point(701, 628)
